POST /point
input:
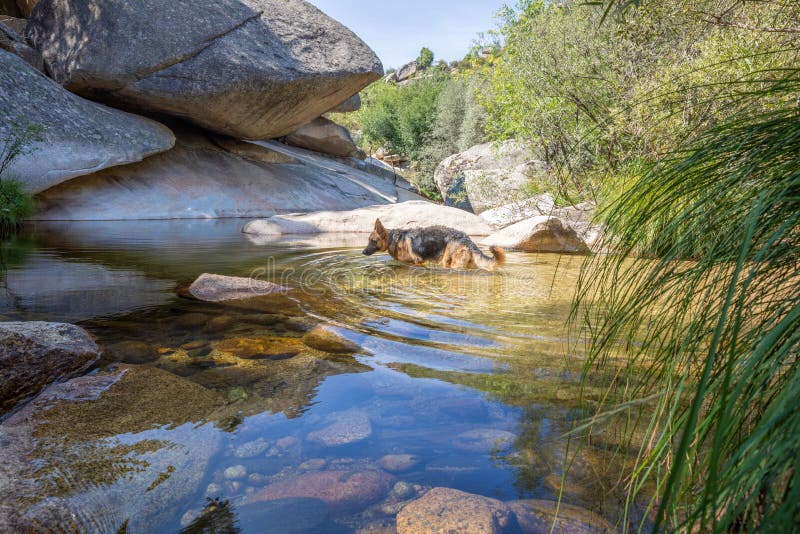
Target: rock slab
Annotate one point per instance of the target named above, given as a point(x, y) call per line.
point(206, 177)
point(35, 354)
point(251, 69)
point(409, 214)
point(79, 137)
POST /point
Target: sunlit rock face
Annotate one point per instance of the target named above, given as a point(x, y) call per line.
point(77, 136)
point(205, 177)
point(252, 69)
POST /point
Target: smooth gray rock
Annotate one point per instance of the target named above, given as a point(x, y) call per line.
point(401, 215)
point(10, 41)
point(515, 212)
point(205, 178)
point(218, 288)
point(324, 135)
point(486, 176)
point(406, 72)
point(252, 69)
point(35, 354)
point(539, 234)
point(80, 137)
point(348, 106)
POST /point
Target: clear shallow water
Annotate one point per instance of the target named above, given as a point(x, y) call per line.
point(470, 373)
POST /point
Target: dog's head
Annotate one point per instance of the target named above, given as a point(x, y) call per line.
point(378, 240)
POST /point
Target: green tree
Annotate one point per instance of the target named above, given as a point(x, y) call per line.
point(425, 58)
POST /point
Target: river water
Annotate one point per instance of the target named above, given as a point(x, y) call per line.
point(463, 380)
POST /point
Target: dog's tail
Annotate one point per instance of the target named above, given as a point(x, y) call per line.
point(489, 264)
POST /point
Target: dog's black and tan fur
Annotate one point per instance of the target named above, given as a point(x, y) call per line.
point(437, 244)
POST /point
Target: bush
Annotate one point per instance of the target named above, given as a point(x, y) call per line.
point(15, 206)
point(400, 117)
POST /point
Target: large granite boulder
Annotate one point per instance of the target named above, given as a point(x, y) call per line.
point(515, 212)
point(205, 177)
point(10, 41)
point(401, 215)
point(252, 69)
point(117, 451)
point(486, 176)
point(324, 135)
point(80, 137)
point(36, 354)
point(539, 234)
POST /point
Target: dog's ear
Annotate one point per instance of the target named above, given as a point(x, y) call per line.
point(379, 228)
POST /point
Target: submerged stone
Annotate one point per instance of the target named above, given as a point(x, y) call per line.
point(344, 491)
point(349, 427)
point(450, 510)
point(547, 516)
point(35, 354)
point(396, 463)
point(261, 347)
point(133, 352)
point(326, 339)
point(116, 448)
point(484, 439)
point(218, 288)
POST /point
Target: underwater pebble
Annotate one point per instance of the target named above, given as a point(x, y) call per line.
point(190, 320)
point(251, 449)
point(287, 443)
point(484, 439)
point(395, 463)
point(299, 324)
point(213, 490)
point(134, 352)
point(402, 490)
point(349, 427)
point(194, 345)
point(235, 472)
point(256, 479)
point(221, 323)
point(313, 464)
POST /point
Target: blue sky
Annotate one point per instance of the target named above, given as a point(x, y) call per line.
point(396, 30)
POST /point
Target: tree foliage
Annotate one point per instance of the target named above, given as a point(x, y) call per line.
point(425, 58)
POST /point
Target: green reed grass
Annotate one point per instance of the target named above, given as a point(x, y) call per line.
point(708, 316)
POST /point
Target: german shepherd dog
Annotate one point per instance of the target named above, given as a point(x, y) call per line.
point(437, 244)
